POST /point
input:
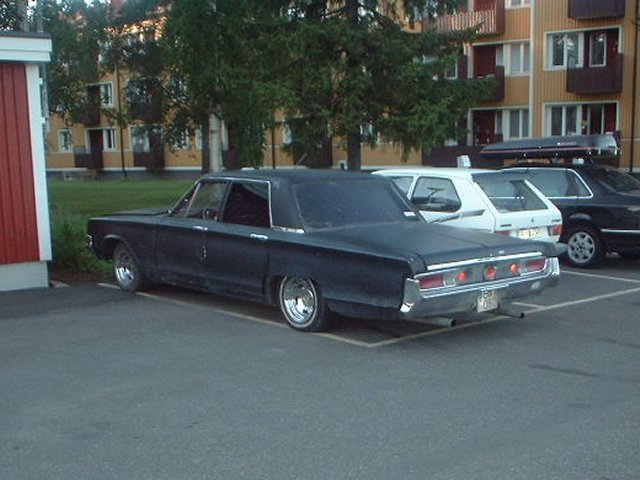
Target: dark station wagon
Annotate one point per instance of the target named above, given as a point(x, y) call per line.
point(316, 243)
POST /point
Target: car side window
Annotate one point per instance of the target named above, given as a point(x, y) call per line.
point(247, 204)
point(553, 183)
point(403, 183)
point(204, 202)
point(577, 186)
point(436, 195)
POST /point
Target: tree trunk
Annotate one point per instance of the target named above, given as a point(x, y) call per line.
point(354, 148)
point(354, 152)
point(215, 143)
point(206, 154)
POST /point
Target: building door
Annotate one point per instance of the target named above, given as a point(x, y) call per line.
point(484, 61)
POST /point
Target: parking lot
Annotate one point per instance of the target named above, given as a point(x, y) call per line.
point(171, 384)
point(616, 278)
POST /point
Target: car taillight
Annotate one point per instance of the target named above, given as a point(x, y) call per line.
point(555, 230)
point(503, 232)
point(535, 265)
point(431, 281)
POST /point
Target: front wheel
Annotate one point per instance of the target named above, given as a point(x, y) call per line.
point(584, 246)
point(302, 305)
point(128, 274)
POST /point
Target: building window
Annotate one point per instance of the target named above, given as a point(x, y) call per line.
point(182, 142)
point(518, 3)
point(140, 139)
point(106, 94)
point(518, 123)
point(598, 50)
point(564, 50)
point(562, 120)
point(595, 119)
point(519, 58)
point(451, 73)
point(65, 143)
point(109, 139)
point(512, 123)
point(198, 139)
point(287, 134)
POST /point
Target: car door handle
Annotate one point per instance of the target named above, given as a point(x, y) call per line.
point(257, 236)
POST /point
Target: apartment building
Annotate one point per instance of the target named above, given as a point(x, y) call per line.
point(561, 67)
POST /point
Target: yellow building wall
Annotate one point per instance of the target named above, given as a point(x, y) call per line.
point(550, 86)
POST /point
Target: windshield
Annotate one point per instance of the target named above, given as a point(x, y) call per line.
point(614, 180)
point(354, 202)
point(509, 194)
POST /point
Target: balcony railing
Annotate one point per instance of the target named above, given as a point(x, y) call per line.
point(92, 161)
point(488, 22)
point(146, 110)
point(87, 113)
point(594, 80)
point(497, 94)
point(591, 9)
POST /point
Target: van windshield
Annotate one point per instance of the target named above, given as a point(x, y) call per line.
point(508, 194)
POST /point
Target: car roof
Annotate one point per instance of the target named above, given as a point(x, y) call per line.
point(574, 166)
point(289, 175)
point(440, 171)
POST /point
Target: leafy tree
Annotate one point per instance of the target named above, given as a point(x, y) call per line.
point(369, 75)
point(343, 68)
point(9, 15)
point(226, 56)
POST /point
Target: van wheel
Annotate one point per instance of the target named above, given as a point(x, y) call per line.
point(302, 305)
point(129, 276)
point(584, 247)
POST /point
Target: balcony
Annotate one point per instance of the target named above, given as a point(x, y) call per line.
point(497, 93)
point(153, 158)
point(595, 80)
point(593, 9)
point(83, 159)
point(88, 113)
point(488, 22)
point(149, 110)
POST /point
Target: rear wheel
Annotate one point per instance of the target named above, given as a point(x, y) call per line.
point(302, 304)
point(128, 274)
point(584, 246)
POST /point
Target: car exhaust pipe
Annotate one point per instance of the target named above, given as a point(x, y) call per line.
point(509, 311)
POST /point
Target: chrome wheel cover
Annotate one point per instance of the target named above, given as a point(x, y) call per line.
point(581, 247)
point(124, 267)
point(299, 301)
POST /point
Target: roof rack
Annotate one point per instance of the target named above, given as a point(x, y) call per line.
point(560, 147)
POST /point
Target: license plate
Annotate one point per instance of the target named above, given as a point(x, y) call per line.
point(528, 233)
point(487, 300)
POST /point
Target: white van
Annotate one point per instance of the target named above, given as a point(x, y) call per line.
point(490, 200)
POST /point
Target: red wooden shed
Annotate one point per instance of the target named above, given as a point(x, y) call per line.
point(25, 239)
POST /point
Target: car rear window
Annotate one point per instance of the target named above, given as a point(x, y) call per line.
point(355, 202)
point(509, 194)
point(615, 181)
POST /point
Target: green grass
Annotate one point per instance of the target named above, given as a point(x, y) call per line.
point(90, 198)
point(72, 203)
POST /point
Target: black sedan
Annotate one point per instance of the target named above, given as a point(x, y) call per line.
point(320, 242)
point(600, 208)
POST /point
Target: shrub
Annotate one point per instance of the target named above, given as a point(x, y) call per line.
point(68, 244)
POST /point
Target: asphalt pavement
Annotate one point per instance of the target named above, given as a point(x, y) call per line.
point(96, 383)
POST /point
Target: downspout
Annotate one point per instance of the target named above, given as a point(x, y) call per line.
point(634, 91)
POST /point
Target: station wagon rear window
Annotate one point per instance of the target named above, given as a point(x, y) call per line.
point(509, 194)
point(342, 203)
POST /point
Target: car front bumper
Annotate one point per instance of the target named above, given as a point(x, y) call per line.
point(465, 299)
